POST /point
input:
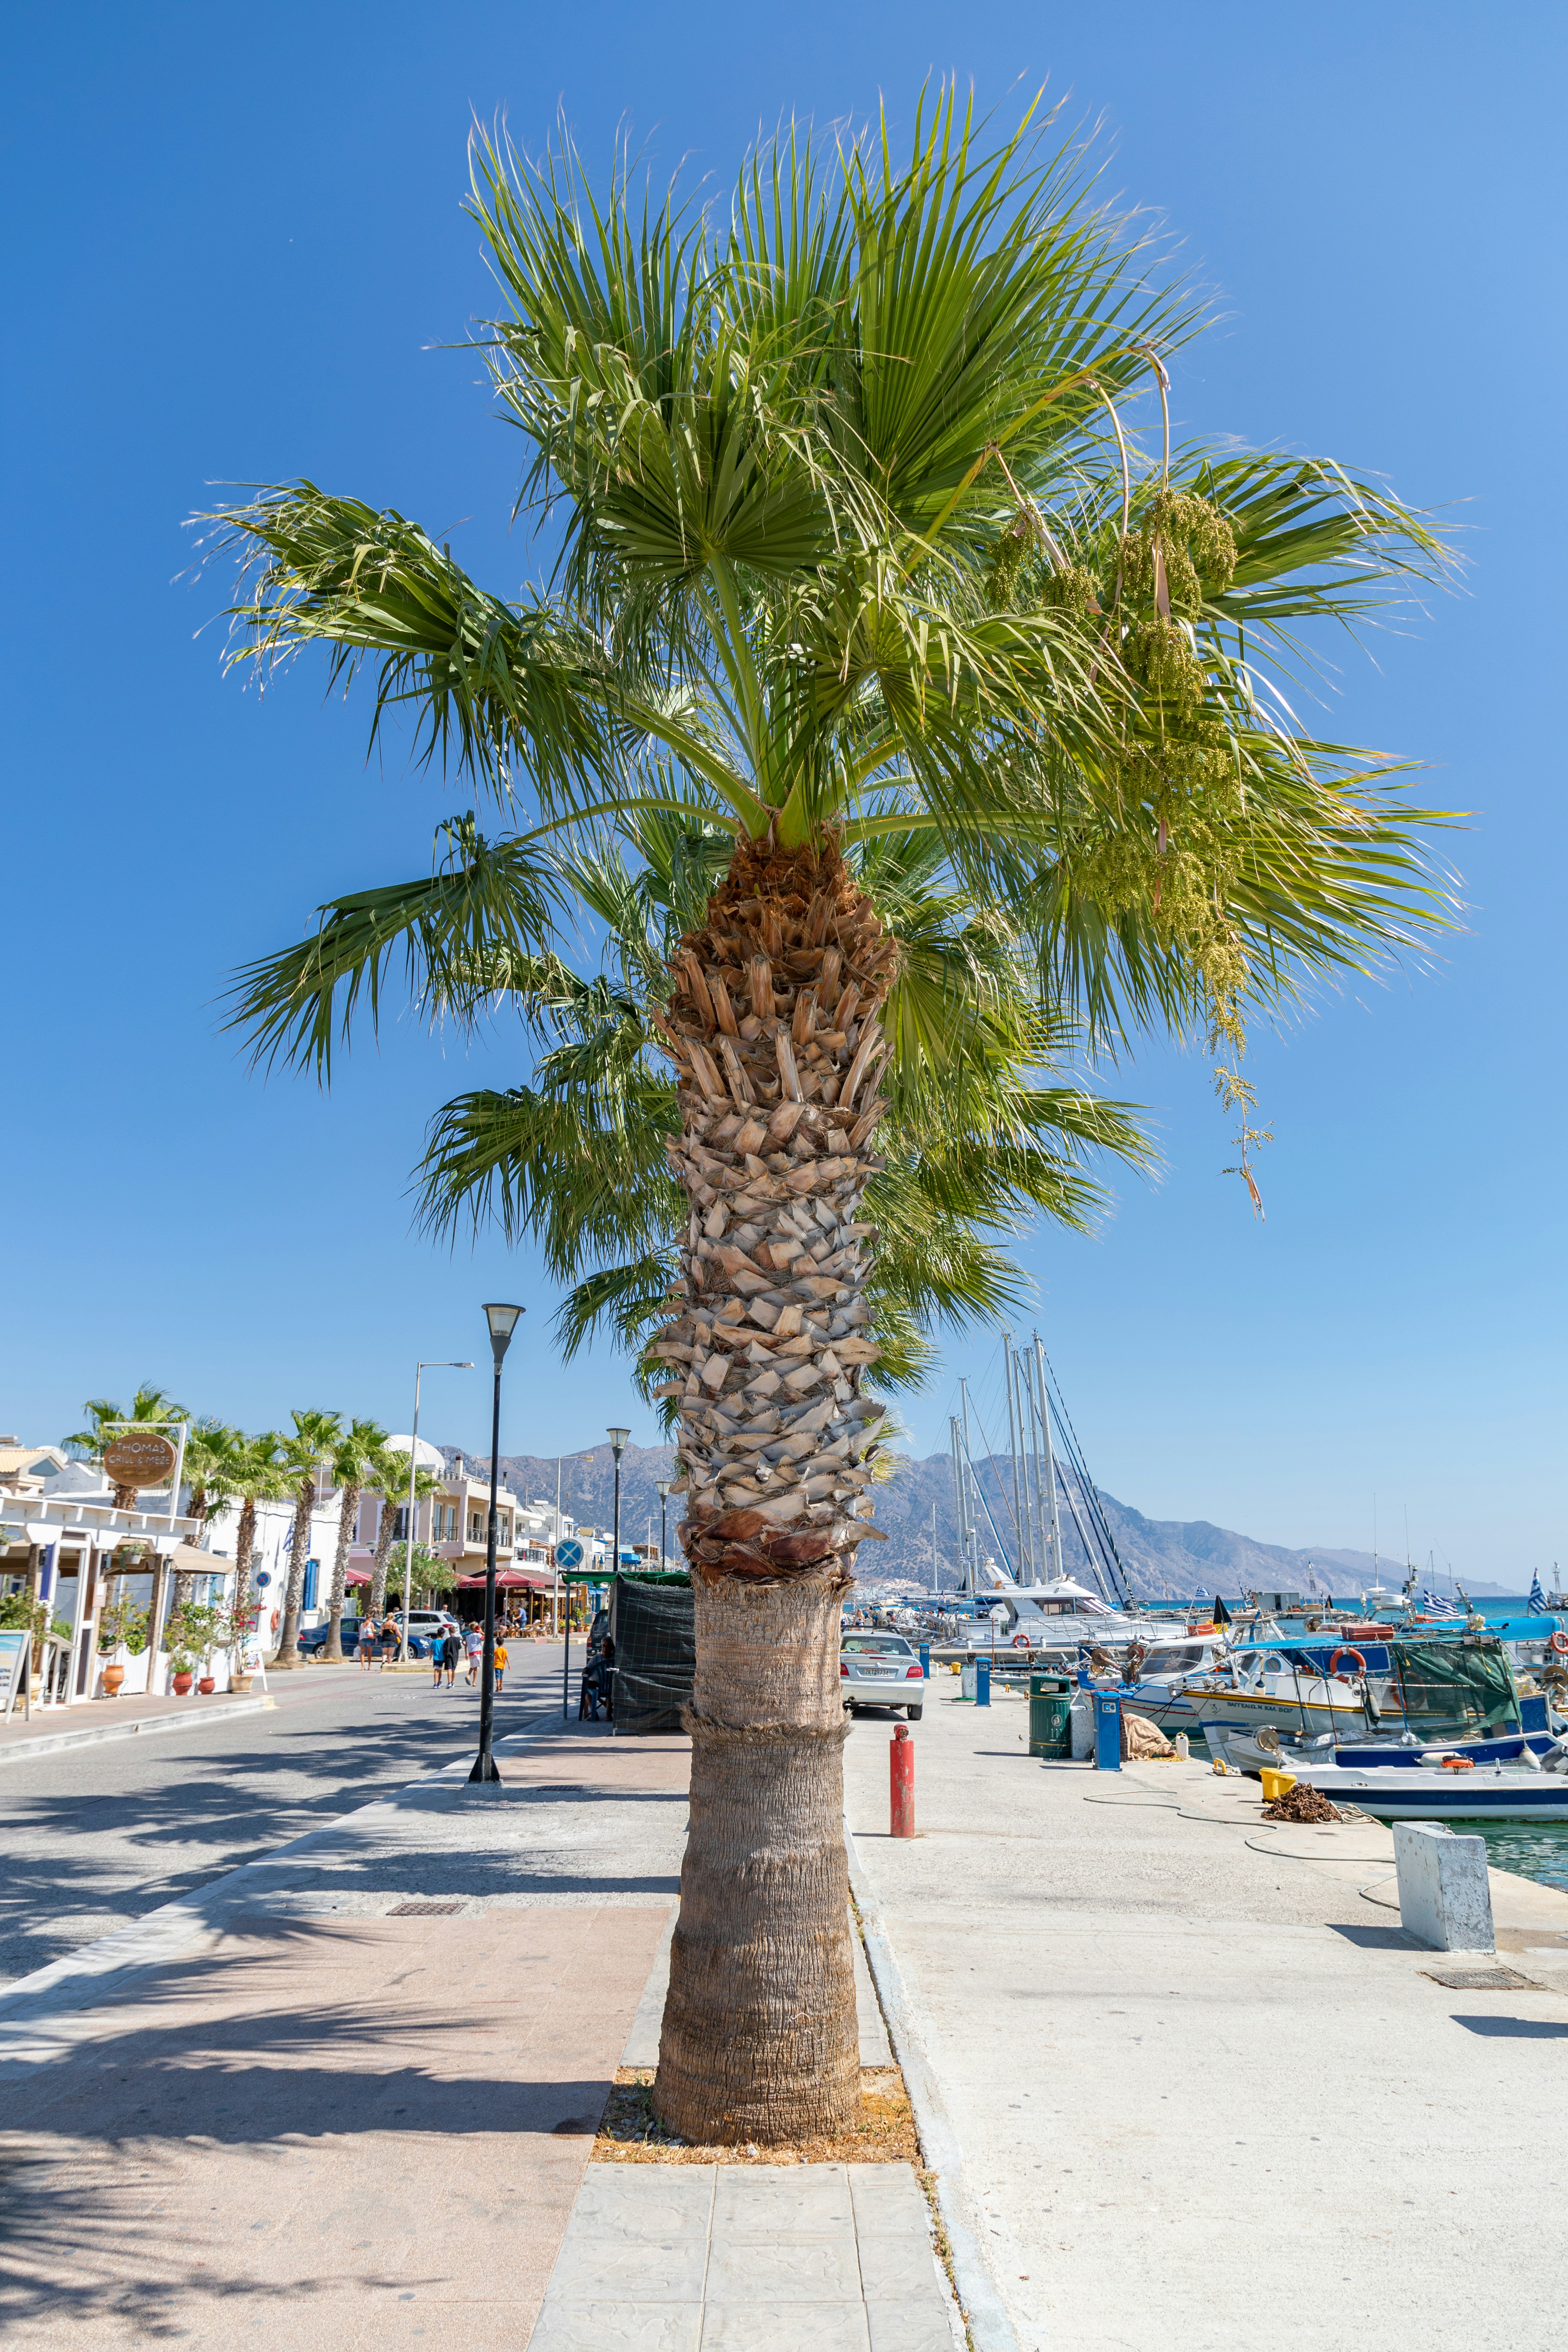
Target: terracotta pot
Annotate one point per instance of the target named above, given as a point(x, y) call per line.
point(207, 1684)
point(182, 1685)
point(113, 1678)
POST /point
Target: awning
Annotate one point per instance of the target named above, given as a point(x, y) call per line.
point(356, 1576)
point(536, 1580)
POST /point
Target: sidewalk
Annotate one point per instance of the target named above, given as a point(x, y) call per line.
point(348, 2094)
point(1206, 2092)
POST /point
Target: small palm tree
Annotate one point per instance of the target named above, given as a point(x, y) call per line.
point(212, 1454)
point(855, 547)
point(316, 1438)
point(106, 1420)
point(390, 1479)
point(353, 1462)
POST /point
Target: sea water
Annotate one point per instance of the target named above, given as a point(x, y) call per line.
point(1533, 1849)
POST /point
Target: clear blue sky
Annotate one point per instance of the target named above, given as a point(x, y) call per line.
point(234, 251)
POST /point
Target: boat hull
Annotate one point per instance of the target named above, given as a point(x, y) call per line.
point(1497, 1792)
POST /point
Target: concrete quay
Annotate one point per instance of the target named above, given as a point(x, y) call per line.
point(1207, 2089)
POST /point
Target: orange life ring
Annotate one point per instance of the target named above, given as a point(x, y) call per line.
point(1559, 1642)
point(1022, 1641)
point(1346, 1652)
point(1455, 1764)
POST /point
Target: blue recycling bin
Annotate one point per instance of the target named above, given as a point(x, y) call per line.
point(983, 1682)
point(1107, 1732)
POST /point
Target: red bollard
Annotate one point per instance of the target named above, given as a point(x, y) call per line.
point(902, 1781)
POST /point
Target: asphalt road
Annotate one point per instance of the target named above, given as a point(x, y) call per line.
point(92, 1837)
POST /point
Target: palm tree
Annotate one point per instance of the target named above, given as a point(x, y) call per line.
point(353, 1462)
point(106, 1419)
point(258, 1476)
point(390, 1477)
point(211, 1452)
point(855, 547)
point(974, 1143)
point(316, 1438)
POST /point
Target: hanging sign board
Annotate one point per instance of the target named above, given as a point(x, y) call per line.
point(140, 1458)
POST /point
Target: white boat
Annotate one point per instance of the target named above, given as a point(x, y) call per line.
point(1437, 1792)
point(1057, 1615)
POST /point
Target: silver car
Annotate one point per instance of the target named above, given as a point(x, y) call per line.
point(881, 1669)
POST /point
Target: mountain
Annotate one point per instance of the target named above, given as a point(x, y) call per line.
point(1163, 1558)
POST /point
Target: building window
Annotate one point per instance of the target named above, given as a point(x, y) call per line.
point(476, 1527)
point(400, 1525)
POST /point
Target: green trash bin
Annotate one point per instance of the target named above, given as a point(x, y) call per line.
point(1050, 1716)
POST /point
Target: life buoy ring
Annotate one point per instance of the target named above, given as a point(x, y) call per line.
point(1559, 1644)
point(1022, 1641)
point(1346, 1652)
point(1455, 1764)
point(275, 1620)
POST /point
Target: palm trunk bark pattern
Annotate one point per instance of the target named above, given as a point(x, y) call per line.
point(775, 1028)
point(347, 1517)
point(305, 1504)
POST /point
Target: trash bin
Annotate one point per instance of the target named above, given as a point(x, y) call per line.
point(1050, 1716)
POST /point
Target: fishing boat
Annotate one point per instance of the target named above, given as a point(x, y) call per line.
point(1457, 1788)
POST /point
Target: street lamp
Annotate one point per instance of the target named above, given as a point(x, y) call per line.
point(618, 1438)
point(503, 1321)
point(447, 1366)
point(662, 1490)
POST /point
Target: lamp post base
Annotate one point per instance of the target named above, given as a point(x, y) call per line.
point(485, 1768)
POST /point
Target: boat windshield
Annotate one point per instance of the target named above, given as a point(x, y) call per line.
point(875, 1645)
point(1170, 1662)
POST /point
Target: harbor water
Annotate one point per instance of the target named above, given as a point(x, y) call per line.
point(1532, 1848)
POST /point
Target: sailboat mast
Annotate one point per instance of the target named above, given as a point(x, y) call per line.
point(1050, 1466)
point(1007, 1376)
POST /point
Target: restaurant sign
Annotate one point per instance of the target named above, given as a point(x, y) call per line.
point(140, 1457)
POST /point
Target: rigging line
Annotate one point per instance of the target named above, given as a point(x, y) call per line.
point(1090, 1563)
point(1104, 1574)
point(990, 1457)
point(1064, 1416)
point(985, 1506)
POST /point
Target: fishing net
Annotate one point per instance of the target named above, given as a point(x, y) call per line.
point(656, 1654)
point(1455, 1690)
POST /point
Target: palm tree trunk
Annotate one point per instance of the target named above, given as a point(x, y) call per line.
point(346, 1517)
point(777, 1027)
point(185, 1581)
point(244, 1552)
point(289, 1648)
point(378, 1566)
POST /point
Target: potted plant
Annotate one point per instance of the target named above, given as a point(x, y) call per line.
point(121, 1626)
point(237, 1628)
point(193, 1637)
point(181, 1675)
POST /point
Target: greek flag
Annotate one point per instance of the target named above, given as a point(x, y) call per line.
point(1537, 1598)
point(1437, 1604)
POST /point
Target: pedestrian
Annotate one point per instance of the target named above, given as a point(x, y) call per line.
point(474, 1643)
point(437, 1655)
point(369, 1634)
point(500, 1664)
point(388, 1640)
point(451, 1651)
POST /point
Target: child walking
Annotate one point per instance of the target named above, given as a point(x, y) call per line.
point(500, 1664)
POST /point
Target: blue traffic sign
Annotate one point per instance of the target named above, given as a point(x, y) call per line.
point(569, 1554)
point(263, 1579)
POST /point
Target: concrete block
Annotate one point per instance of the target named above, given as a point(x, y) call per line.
point(1445, 1895)
point(1082, 1726)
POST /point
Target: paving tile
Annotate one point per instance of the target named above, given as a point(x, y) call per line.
point(820, 2270)
point(774, 2198)
point(670, 2271)
point(577, 2324)
point(628, 2202)
point(895, 2270)
point(887, 2197)
point(785, 2328)
point(923, 2326)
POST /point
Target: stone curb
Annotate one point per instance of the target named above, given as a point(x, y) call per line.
point(980, 2297)
point(50, 1743)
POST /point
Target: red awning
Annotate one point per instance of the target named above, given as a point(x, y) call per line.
point(511, 1577)
point(356, 1576)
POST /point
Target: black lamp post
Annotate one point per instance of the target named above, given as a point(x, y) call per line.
point(503, 1321)
point(663, 1492)
point(618, 1438)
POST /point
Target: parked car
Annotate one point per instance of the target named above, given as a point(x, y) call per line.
point(881, 1669)
point(313, 1638)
